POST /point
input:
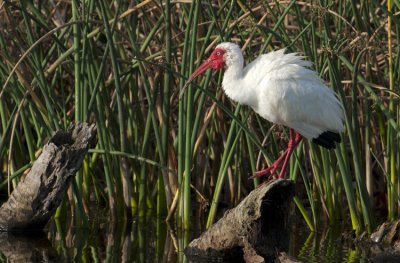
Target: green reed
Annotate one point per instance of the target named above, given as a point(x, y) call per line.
point(122, 66)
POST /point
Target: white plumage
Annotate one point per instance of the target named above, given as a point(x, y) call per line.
point(282, 89)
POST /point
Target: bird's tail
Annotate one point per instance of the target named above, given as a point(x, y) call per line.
point(327, 139)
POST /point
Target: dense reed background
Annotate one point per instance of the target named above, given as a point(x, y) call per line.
point(122, 64)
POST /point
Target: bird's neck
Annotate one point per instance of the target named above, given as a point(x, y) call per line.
point(235, 86)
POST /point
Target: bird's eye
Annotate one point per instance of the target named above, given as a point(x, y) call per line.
point(218, 53)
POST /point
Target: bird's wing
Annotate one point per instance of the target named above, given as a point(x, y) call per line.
point(293, 95)
point(270, 62)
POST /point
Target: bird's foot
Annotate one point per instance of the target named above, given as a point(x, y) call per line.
point(270, 171)
point(294, 140)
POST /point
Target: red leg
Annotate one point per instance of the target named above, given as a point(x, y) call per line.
point(293, 142)
point(272, 168)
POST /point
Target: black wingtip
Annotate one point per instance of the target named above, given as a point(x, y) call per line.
point(328, 139)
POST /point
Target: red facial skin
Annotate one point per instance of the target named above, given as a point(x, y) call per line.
point(217, 58)
point(215, 61)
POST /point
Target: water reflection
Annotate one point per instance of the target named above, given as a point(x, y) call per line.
point(141, 240)
point(32, 248)
point(151, 240)
point(327, 246)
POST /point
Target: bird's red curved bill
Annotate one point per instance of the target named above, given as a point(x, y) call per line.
point(203, 67)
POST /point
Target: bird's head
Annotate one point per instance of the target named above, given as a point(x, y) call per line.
point(222, 56)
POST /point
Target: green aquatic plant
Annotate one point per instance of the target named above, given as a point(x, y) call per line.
point(122, 65)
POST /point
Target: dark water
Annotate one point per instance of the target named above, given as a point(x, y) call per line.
point(152, 240)
point(327, 246)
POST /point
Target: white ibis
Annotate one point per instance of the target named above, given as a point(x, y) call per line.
point(282, 89)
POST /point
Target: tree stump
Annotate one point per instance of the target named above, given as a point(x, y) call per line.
point(37, 196)
point(253, 231)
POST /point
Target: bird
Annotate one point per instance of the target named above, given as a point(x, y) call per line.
point(283, 89)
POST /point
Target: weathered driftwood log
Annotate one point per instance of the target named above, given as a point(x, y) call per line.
point(253, 231)
point(385, 243)
point(388, 233)
point(37, 196)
